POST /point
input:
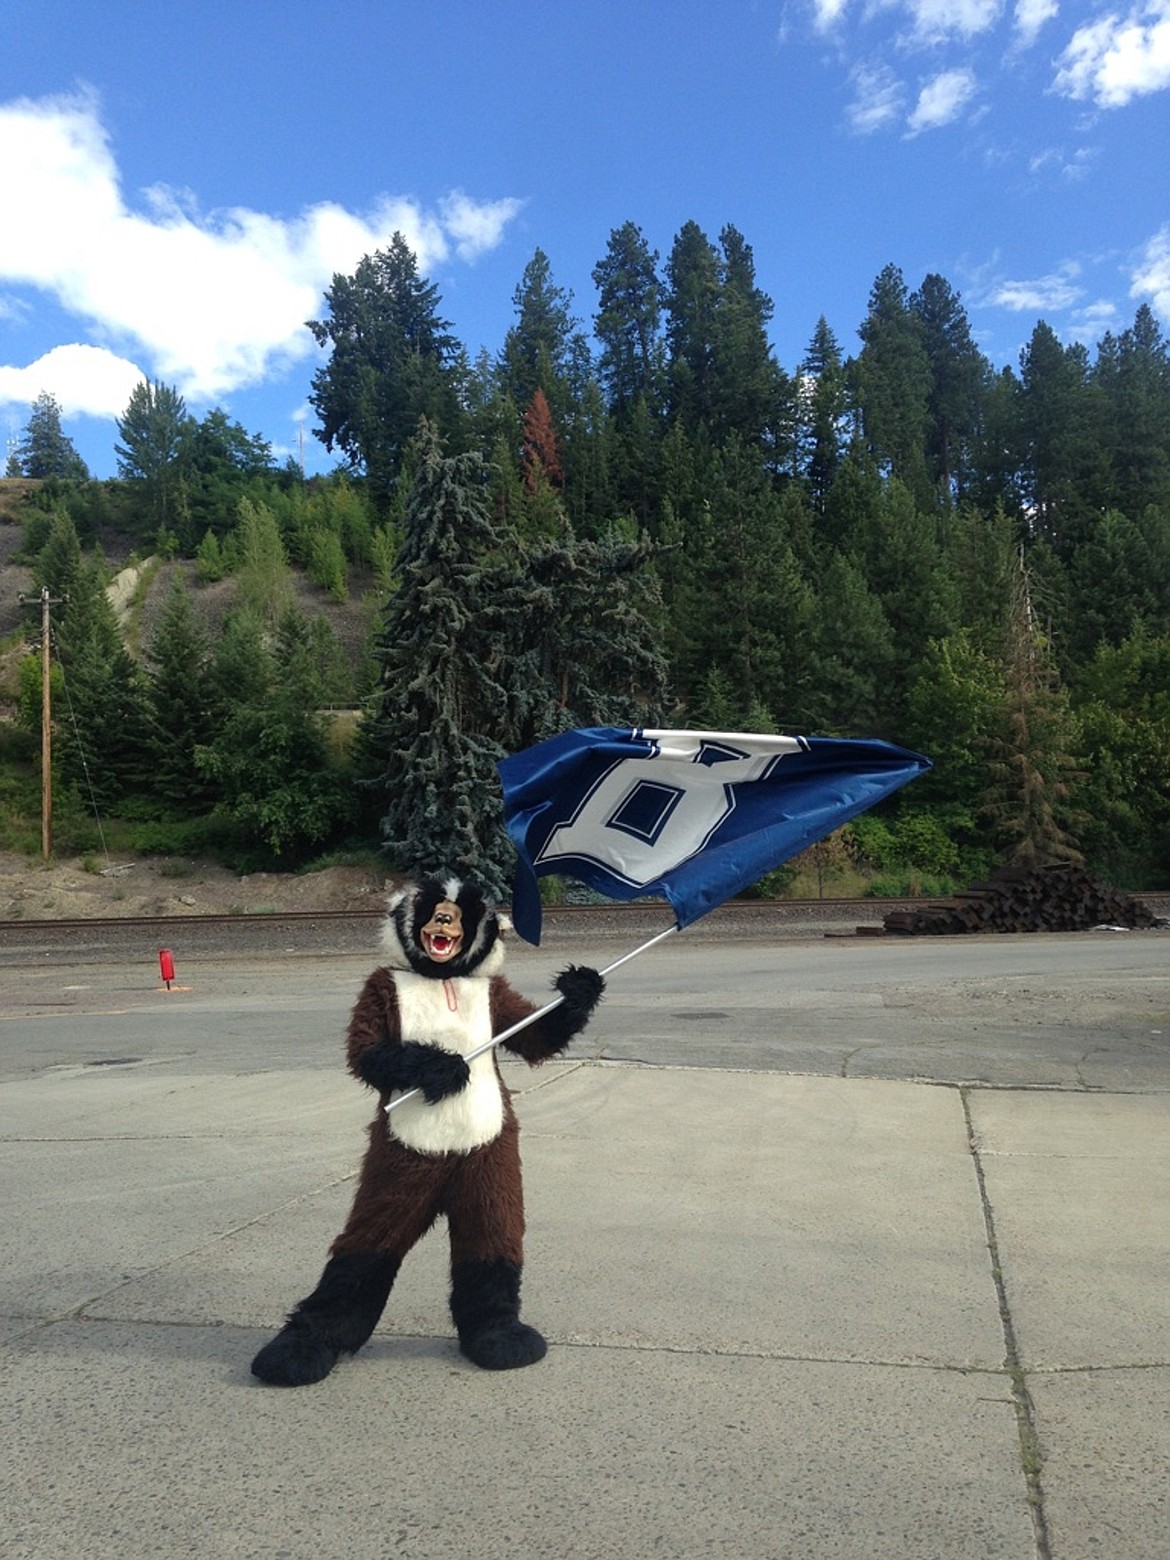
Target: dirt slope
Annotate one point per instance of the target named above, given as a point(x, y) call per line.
point(77, 888)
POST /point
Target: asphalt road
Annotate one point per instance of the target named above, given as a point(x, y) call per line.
point(1082, 1011)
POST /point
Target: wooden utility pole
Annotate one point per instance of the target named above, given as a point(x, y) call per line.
point(47, 602)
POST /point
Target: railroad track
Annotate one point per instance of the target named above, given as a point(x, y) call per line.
point(745, 915)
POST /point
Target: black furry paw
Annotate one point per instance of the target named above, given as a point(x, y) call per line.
point(504, 1346)
point(581, 987)
point(439, 1073)
point(413, 1065)
point(296, 1357)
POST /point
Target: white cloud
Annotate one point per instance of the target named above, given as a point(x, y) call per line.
point(935, 20)
point(827, 13)
point(475, 226)
point(1116, 58)
point(1030, 16)
point(1044, 294)
point(1092, 320)
point(1151, 278)
point(931, 20)
point(81, 378)
point(1069, 169)
point(878, 98)
point(211, 302)
point(942, 100)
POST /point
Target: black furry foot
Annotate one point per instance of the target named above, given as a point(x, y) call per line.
point(504, 1346)
point(297, 1357)
point(336, 1319)
point(485, 1303)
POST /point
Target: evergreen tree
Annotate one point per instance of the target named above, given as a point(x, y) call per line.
point(443, 708)
point(269, 758)
point(741, 600)
point(822, 407)
point(45, 451)
point(692, 303)
point(1111, 587)
point(153, 430)
point(103, 745)
point(1124, 790)
point(1033, 769)
point(221, 463)
point(58, 561)
point(589, 652)
point(592, 496)
point(982, 558)
point(264, 582)
point(1135, 378)
point(998, 450)
point(852, 653)
point(311, 656)
point(958, 377)
point(897, 546)
point(179, 702)
point(893, 382)
point(1154, 527)
point(955, 714)
point(750, 392)
point(1060, 415)
point(546, 348)
point(721, 371)
point(392, 360)
point(628, 323)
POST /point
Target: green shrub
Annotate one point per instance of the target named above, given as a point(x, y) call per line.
point(909, 884)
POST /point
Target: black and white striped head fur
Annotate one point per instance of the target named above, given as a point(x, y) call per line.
point(443, 928)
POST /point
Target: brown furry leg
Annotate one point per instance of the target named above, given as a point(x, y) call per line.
point(484, 1204)
point(399, 1196)
point(396, 1202)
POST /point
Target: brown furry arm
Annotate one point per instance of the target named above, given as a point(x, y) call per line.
point(580, 989)
point(378, 1055)
point(374, 1020)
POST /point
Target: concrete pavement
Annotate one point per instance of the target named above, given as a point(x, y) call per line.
point(791, 1317)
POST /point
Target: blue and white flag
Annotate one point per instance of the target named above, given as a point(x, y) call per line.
point(693, 816)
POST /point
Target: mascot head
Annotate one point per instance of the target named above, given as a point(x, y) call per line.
point(443, 928)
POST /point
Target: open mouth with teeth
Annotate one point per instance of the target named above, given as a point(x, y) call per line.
point(442, 936)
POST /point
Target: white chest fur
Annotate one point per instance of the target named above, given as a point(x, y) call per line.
point(455, 1014)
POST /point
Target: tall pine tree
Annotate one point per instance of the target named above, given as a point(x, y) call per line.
point(893, 381)
point(444, 705)
point(392, 360)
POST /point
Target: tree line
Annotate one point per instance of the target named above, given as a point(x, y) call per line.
point(656, 522)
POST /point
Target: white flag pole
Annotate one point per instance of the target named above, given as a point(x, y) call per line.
point(506, 1034)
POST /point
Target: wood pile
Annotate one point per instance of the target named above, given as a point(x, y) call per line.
point(1059, 898)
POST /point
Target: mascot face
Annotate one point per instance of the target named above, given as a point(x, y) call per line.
point(442, 936)
point(444, 928)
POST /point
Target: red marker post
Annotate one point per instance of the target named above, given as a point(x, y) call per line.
point(166, 965)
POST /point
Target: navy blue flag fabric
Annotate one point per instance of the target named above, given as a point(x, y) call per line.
point(691, 816)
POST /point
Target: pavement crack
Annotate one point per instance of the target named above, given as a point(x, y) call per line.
point(1031, 1461)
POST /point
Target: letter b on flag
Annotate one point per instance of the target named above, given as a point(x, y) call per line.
point(646, 816)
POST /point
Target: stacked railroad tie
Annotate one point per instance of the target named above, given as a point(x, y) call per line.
point(1057, 898)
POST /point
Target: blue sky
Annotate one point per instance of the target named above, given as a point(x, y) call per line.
point(179, 183)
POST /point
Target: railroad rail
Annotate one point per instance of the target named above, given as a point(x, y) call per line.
point(744, 915)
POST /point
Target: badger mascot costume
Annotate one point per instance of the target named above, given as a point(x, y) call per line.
point(454, 1151)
